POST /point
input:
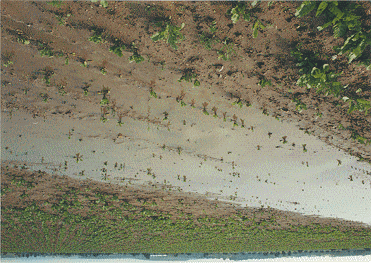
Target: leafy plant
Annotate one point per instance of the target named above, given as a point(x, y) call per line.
point(169, 33)
point(209, 39)
point(78, 157)
point(135, 57)
point(204, 109)
point(258, 25)
point(48, 73)
point(55, 3)
point(238, 102)
point(226, 51)
point(44, 96)
point(104, 100)
point(46, 51)
point(358, 104)
point(103, 3)
point(117, 48)
point(103, 70)
point(61, 90)
point(265, 82)
point(96, 37)
point(300, 106)
point(23, 40)
point(188, 75)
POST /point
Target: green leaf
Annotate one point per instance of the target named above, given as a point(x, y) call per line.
point(321, 8)
point(305, 8)
point(255, 29)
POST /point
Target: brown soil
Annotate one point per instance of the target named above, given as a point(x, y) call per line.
point(266, 56)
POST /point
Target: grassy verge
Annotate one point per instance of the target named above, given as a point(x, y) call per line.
point(65, 217)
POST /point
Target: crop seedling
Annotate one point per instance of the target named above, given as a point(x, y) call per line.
point(208, 39)
point(104, 111)
point(214, 109)
point(46, 51)
point(23, 40)
point(117, 48)
point(44, 96)
point(204, 109)
point(224, 116)
point(166, 114)
point(238, 102)
point(152, 93)
point(179, 150)
point(300, 106)
point(242, 123)
point(7, 58)
point(78, 157)
point(97, 37)
point(234, 119)
point(193, 103)
point(86, 88)
point(169, 33)
point(135, 57)
point(265, 82)
point(103, 3)
point(104, 100)
point(304, 149)
point(226, 51)
point(61, 90)
point(55, 3)
point(284, 139)
point(103, 71)
point(269, 134)
point(188, 76)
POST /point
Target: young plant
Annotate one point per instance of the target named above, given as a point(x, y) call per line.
point(23, 40)
point(44, 96)
point(103, 70)
point(284, 139)
point(188, 76)
point(152, 93)
point(214, 109)
point(86, 88)
point(46, 51)
point(204, 110)
point(117, 48)
point(225, 116)
point(97, 37)
point(226, 51)
point(166, 114)
point(104, 100)
point(269, 134)
point(169, 33)
point(179, 150)
point(78, 157)
point(61, 90)
point(193, 103)
point(7, 58)
point(242, 123)
point(234, 118)
point(265, 82)
point(238, 102)
point(209, 39)
point(300, 106)
point(304, 149)
point(135, 57)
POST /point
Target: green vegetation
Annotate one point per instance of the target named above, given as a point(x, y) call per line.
point(300, 106)
point(188, 75)
point(117, 48)
point(103, 3)
point(23, 40)
point(241, 10)
point(97, 37)
point(169, 33)
point(7, 58)
point(104, 100)
point(209, 39)
point(226, 51)
point(55, 3)
point(341, 15)
point(135, 57)
point(265, 82)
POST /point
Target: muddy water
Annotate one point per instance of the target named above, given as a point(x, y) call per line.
point(215, 158)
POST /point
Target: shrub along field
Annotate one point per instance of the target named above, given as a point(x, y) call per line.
point(306, 61)
point(48, 214)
